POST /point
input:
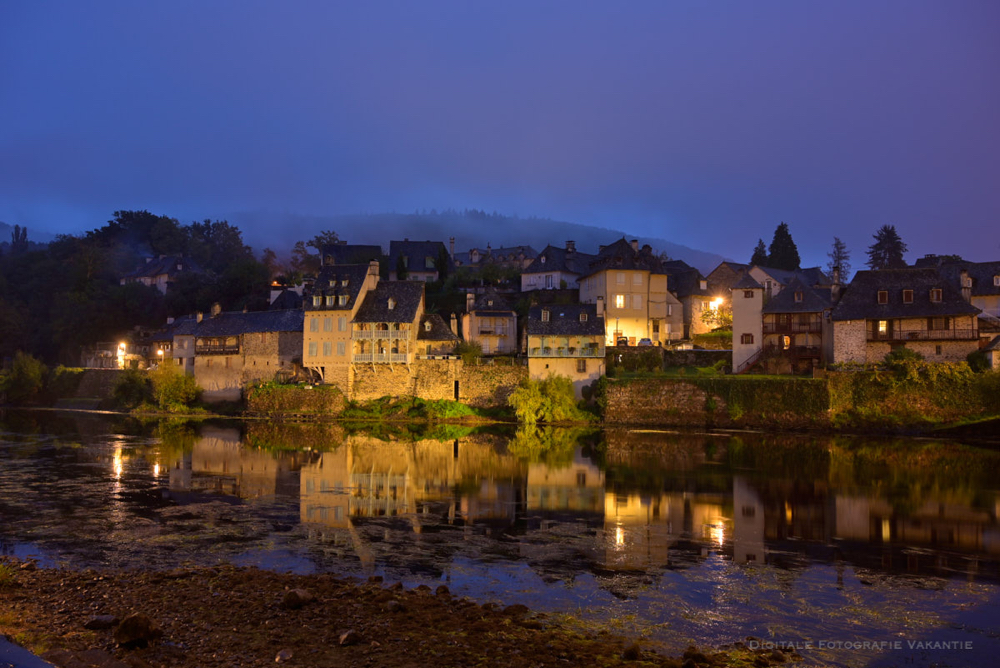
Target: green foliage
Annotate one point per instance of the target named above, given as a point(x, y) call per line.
point(720, 319)
point(782, 253)
point(552, 446)
point(7, 575)
point(767, 395)
point(132, 389)
point(719, 340)
point(888, 250)
point(978, 361)
point(173, 390)
point(63, 381)
point(24, 383)
point(644, 359)
point(470, 351)
point(548, 401)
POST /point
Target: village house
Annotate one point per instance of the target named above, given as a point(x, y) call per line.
point(161, 272)
point(556, 268)
point(566, 340)
point(748, 329)
point(632, 288)
point(517, 257)
point(337, 294)
point(384, 330)
point(798, 333)
point(418, 260)
point(691, 289)
point(434, 337)
point(345, 253)
point(774, 280)
point(724, 277)
point(491, 322)
point(891, 308)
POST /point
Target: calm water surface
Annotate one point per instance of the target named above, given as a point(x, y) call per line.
point(680, 538)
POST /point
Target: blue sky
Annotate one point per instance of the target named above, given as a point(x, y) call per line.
point(706, 123)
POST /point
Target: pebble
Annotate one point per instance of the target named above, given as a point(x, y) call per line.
point(632, 652)
point(350, 637)
point(296, 598)
point(137, 630)
point(283, 655)
point(394, 606)
point(442, 590)
point(101, 622)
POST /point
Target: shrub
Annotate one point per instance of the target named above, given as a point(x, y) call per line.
point(978, 361)
point(132, 389)
point(470, 351)
point(63, 382)
point(550, 400)
point(173, 390)
point(25, 381)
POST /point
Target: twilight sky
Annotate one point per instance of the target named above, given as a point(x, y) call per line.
point(705, 123)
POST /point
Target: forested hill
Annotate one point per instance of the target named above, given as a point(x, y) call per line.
point(471, 229)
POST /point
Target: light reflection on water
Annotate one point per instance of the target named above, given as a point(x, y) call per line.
point(677, 537)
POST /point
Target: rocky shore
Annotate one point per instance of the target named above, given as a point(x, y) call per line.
point(238, 617)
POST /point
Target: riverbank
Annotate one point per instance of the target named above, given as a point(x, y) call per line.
point(242, 617)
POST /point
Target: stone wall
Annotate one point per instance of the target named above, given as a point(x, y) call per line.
point(480, 386)
point(850, 341)
point(489, 385)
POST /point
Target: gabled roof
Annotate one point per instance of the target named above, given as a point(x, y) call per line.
point(808, 276)
point(621, 255)
point(234, 323)
point(554, 258)
point(502, 254)
point(812, 301)
point(860, 298)
point(981, 273)
point(439, 331)
point(406, 296)
point(286, 299)
point(747, 282)
point(345, 253)
point(684, 280)
point(331, 282)
point(416, 253)
point(564, 320)
point(169, 265)
point(492, 303)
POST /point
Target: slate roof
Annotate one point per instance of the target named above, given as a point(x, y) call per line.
point(813, 301)
point(344, 253)
point(439, 330)
point(684, 280)
point(286, 299)
point(747, 282)
point(234, 323)
point(554, 258)
point(860, 298)
point(171, 265)
point(564, 320)
point(330, 282)
point(492, 303)
point(183, 326)
point(416, 253)
point(808, 276)
point(620, 255)
point(375, 307)
point(502, 254)
point(981, 273)
point(994, 344)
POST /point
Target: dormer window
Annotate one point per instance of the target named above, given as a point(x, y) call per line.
point(427, 326)
point(704, 285)
point(798, 297)
point(489, 302)
point(391, 303)
point(542, 259)
point(907, 296)
point(996, 280)
point(883, 296)
point(343, 283)
point(428, 262)
point(329, 300)
point(936, 295)
point(342, 300)
point(583, 317)
point(545, 315)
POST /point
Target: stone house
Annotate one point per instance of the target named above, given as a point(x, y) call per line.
point(891, 308)
point(632, 288)
point(434, 337)
point(419, 258)
point(385, 328)
point(519, 257)
point(979, 283)
point(724, 277)
point(491, 322)
point(555, 268)
point(691, 290)
point(774, 280)
point(161, 272)
point(748, 329)
point(798, 333)
point(566, 340)
point(233, 349)
point(337, 294)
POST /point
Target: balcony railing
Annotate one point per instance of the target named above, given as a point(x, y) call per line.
point(377, 358)
point(792, 327)
point(493, 331)
point(589, 351)
point(367, 334)
point(217, 350)
point(924, 335)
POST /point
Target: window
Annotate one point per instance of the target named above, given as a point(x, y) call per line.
point(343, 283)
point(342, 300)
point(391, 303)
point(313, 324)
point(748, 294)
point(620, 277)
point(798, 296)
point(340, 348)
point(428, 262)
point(545, 315)
point(619, 301)
point(489, 302)
point(703, 284)
point(581, 365)
point(746, 339)
point(548, 281)
point(883, 297)
point(637, 279)
point(327, 324)
point(937, 349)
point(938, 323)
point(427, 326)
point(317, 300)
point(312, 349)
point(341, 324)
point(996, 280)
point(907, 296)
point(656, 329)
point(329, 300)
point(327, 348)
point(637, 302)
point(670, 309)
point(583, 317)
point(883, 327)
point(935, 294)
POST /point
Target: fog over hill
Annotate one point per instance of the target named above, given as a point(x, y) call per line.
point(471, 229)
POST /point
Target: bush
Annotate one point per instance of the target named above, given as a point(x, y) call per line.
point(25, 381)
point(470, 351)
point(550, 400)
point(978, 361)
point(172, 389)
point(63, 382)
point(132, 389)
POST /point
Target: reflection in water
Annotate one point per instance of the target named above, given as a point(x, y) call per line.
point(691, 536)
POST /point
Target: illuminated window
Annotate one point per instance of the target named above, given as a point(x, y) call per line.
point(329, 300)
point(798, 296)
point(883, 297)
point(936, 294)
point(907, 296)
point(619, 301)
point(996, 280)
point(317, 300)
point(883, 326)
point(583, 317)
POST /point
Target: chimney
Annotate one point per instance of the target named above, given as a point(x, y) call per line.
point(170, 321)
point(600, 307)
point(835, 285)
point(454, 324)
point(966, 285)
point(216, 309)
point(470, 301)
point(198, 316)
point(451, 247)
point(571, 246)
point(836, 274)
point(635, 245)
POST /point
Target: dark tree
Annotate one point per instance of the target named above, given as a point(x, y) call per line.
point(442, 263)
point(324, 238)
point(888, 250)
point(19, 240)
point(782, 253)
point(759, 254)
point(401, 272)
point(840, 257)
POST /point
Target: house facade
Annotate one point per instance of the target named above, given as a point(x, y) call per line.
point(798, 333)
point(160, 272)
point(418, 259)
point(748, 330)
point(566, 340)
point(556, 268)
point(384, 330)
point(774, 280)
point(891, 308)
point(490, 321)
point(692, 291)
point(434, 338)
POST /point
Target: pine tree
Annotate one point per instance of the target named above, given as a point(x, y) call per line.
point(888, 249)
point(782, 253)
point(759, 254)
point(840, 257)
